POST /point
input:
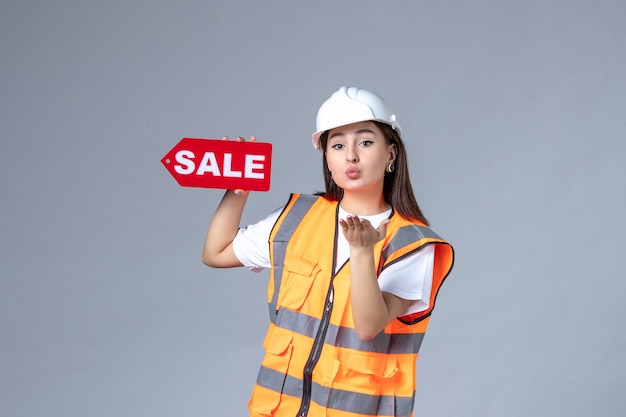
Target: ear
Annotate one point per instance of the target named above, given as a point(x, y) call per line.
point(393, 151)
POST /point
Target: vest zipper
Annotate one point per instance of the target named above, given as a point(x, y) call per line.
point(316, 351)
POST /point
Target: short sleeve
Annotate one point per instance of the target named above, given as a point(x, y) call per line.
point(251, 244)
point(411, 279)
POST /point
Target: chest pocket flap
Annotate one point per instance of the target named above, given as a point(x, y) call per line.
point(298, 278)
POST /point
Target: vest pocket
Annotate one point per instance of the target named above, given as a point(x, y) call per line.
point(298, 277)
point(363, 372)
point(268, 390)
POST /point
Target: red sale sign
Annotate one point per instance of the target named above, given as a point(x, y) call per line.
point(225, 164)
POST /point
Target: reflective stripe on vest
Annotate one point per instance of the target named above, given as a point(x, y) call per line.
point(402, 343)
point(353, 402)
point(405, 236)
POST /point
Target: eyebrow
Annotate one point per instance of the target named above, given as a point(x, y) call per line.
point(357, 132)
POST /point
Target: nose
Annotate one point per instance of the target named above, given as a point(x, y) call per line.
point(351, 154)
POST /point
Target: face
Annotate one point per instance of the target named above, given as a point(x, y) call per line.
point(357, 156)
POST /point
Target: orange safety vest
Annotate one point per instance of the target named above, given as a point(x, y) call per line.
point(315, 364)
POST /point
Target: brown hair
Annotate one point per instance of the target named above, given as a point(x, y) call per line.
point(397, 188)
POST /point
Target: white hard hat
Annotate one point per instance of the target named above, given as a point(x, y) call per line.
point(350, 105)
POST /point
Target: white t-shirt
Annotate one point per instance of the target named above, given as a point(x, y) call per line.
point(410, 278)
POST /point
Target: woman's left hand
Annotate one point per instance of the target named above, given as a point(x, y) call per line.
point(361, 233)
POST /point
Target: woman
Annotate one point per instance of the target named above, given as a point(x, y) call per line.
point(354, 272)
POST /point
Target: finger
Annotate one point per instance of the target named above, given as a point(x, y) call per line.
point(382, 228)
point(240, 139)
point(364, 223)
point(358, 223)
point(224, 137)
point(350, 222)
point(252, 138)
point(383, 224)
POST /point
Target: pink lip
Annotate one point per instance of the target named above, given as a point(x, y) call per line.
point(353, 173)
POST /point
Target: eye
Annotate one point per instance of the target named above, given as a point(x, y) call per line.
point(367, 142)
point(337, 146)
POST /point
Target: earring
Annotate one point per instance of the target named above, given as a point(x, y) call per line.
point(390, 167)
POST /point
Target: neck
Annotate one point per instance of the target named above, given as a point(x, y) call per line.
point(361, 205)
